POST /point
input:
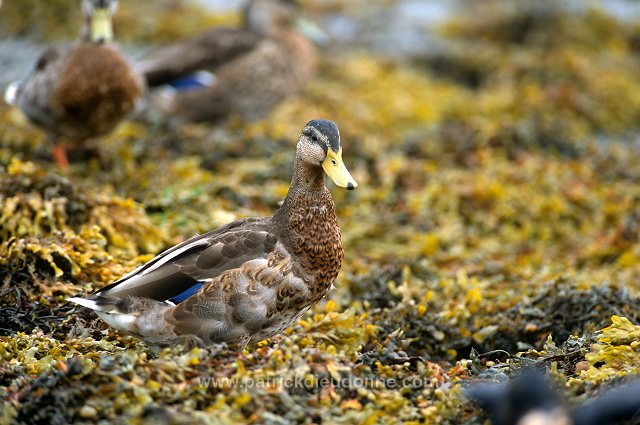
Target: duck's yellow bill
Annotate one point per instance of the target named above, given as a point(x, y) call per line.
point(101, 29)
point(336, 170)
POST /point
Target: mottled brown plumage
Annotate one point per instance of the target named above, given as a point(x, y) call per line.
point(206, 51)
point(249, 279)
point(255, 67)
point(96, 89)
point(81, 89)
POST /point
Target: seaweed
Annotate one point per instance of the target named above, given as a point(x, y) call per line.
point(495, 228)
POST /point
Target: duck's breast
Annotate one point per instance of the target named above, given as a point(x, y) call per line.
point(97, 88)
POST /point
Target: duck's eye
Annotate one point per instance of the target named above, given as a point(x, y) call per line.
point(314, 138)
point(333, 161)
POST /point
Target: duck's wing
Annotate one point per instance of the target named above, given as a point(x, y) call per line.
point(206, 51)
point(34, 94)
point(179, 272)
point(250, 86)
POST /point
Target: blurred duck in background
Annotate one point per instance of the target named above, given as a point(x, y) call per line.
point(246, 71)
point(81, 89)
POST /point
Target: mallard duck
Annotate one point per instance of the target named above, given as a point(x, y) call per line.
point(80, 89)
point(245, 71)
point(247, 280)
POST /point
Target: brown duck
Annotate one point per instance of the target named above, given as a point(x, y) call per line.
point(247, 280)
point(244, 71)
point(81, 89)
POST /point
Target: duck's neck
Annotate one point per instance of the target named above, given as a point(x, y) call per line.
point(307, 223)
point(306, 177)
point(307, 189)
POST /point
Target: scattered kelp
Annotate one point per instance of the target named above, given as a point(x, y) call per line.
point(496, 227)
point(539, 73)
point(35, 202)
point(56, 238)
point(542, 25)
point(418, 324)
point(617, 352)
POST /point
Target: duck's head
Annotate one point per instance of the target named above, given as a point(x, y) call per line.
point(319, 146)
point(267, 17)
point(97, 18)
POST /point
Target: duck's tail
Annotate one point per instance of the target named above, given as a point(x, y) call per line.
point(11, 93)
point(144, 318)
point(107, 305)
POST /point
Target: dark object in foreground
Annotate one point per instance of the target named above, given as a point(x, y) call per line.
point(247, 280)
point(529, 399)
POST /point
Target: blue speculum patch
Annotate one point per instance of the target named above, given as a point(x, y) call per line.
point(186, 294)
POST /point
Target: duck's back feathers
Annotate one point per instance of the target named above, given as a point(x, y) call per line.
point(206, 51)
point(145, 302)
point(194, 262)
